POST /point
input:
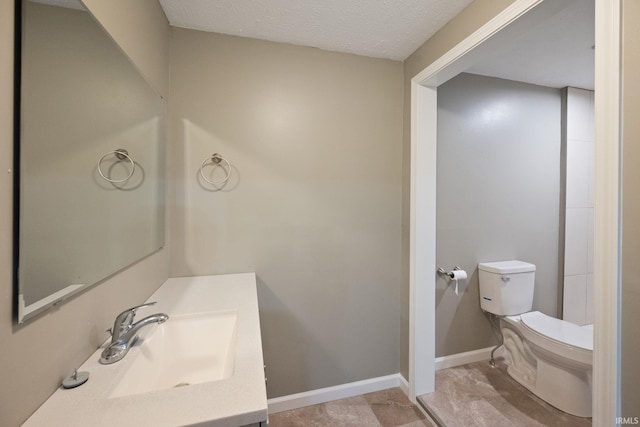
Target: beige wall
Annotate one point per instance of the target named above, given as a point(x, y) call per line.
point(141, 29)
point(313, 205)
point(630, 294)
point(470, 19)
point(65, 51)
point(37, 356)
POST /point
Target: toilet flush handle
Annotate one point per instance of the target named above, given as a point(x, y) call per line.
point(505, 278)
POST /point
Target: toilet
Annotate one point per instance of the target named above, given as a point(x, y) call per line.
point(551, 357)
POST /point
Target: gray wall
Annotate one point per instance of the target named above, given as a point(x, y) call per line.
point(37, 356)
point(313, 205)
point(498, 192)
point(470, 19)
point(630, 293)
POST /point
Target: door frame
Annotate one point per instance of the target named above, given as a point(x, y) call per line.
point(424, 96)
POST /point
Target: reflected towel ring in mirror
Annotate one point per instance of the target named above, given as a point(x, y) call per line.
point(216, 158)
point(120, 154)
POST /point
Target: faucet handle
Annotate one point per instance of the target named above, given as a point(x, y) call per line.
point(125, 319)
point(134, 309)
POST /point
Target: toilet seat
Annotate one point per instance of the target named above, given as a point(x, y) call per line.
point(558, 330)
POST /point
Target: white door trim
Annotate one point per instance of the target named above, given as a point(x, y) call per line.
point(606, 268)
point(423, 203)
point(422, 262)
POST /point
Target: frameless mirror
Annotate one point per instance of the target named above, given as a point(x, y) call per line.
point(90, 156)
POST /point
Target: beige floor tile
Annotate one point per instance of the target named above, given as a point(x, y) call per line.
point(352, 412)
point(385, 408)
point(420, 423)
point(478, 395)
point(393, 408)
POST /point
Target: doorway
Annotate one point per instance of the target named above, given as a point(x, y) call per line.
point(424, 92)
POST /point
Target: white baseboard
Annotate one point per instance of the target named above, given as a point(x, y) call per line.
point(404, 385)
point(314, 397)
point(464, 358)
point(323, 395)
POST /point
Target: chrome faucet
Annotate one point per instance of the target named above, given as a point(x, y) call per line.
point(124, 332)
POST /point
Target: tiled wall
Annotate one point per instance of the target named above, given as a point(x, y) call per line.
point(578, 259)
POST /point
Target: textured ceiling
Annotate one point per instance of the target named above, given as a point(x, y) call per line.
point(390, 29)
point(552, 47)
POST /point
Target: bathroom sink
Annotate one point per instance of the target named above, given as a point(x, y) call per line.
point(185, 350)
point(211, 342)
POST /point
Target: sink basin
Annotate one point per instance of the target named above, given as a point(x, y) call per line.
point(185, 350)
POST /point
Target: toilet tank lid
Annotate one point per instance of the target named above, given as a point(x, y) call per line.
point(507, 267)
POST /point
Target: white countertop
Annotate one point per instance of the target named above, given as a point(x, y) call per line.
point(236, 401)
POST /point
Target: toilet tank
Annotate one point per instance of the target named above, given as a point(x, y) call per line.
point(506, 287)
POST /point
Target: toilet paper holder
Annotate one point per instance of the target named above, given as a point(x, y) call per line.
point(448, 274)
point(453, 276)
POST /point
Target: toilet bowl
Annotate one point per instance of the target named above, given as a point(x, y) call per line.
point(550, 357)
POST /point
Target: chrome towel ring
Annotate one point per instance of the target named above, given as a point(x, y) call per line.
point(216, 158)
point(120, 154)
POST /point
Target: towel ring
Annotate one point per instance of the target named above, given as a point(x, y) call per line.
point(120, 154)
point(216, 158)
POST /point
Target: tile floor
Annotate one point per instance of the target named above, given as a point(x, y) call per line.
point(386, 408)
point(476, 395)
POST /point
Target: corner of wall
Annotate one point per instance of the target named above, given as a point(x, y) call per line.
point(141, 30)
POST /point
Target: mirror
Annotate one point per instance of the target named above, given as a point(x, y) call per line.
point(90, 156)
